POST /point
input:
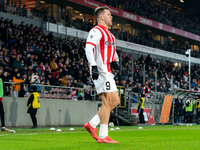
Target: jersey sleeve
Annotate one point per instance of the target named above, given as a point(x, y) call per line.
point(90, 55)
point(94, 37)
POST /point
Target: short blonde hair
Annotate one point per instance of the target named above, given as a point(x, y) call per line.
point(99, 10)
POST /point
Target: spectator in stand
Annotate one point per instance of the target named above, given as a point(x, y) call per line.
point(61, 74)
point(148, 60)
point(53, 66)
point(42, 86)
point(123, 83)
point(55, 81)
point(60, 63)
point(30, 70)
point(16, 87)
point(48, 69)
point(17, 63)
point(49, 77)
point(74, 83)
point(47, 88)
point(64, 80)
point(87, 95)
point(84, 78)
point(146, 91)
point(70, 70)
point(30, 60)
point(37, 85)
point(6, 59)
point(138, 88)
point(79, 76)
point(28, 82)
point(56, 72)
point(35, 76)
point(42, 77)
point(70, 80)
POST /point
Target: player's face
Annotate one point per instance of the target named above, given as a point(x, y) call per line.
point(107, 17)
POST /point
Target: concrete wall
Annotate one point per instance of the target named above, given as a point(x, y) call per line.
point(53, 112)
point(19, 19)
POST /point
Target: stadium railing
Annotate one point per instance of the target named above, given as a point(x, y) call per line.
point(55, 92)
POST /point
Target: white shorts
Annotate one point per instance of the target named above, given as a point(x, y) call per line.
point(105, 83)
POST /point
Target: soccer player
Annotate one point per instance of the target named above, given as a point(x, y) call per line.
point(102, 57)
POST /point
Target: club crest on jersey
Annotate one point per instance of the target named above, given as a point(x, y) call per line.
point(110, 43)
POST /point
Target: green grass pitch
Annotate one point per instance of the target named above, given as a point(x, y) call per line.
point(163, 137)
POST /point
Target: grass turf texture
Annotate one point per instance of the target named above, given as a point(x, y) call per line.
point(129, 138)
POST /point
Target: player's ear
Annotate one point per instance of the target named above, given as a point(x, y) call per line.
point(100, 17)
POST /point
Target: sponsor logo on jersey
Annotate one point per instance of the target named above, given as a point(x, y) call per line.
point(110, 43)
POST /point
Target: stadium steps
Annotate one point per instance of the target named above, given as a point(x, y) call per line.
point(124, 119)
point(125, 116)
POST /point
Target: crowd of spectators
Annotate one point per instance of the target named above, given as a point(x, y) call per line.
point(164, 73)
point(143, 38)
point(160, 12)
point(147, 40)
point(34, 57)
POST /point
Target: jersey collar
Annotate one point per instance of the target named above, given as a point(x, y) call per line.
point(102, 26)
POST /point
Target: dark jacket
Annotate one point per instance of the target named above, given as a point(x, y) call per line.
point(178, 107)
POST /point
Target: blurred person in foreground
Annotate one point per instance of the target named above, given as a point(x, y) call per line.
point(102, 57)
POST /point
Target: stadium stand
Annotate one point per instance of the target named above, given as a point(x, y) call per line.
point(158, 11)
point(42, 58)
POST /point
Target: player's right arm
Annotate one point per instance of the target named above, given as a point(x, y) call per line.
point(93, 39)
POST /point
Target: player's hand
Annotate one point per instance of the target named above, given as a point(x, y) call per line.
point(114, 65)
point(95, 73)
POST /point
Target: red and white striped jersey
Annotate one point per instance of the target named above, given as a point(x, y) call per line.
point(101, 48)
point(144, 91)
